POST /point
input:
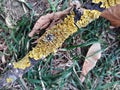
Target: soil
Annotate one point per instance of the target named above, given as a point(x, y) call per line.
point(14, 9)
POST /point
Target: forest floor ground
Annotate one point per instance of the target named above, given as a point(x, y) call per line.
point(58, 71)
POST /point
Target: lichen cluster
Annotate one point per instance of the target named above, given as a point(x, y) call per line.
point(59, 32)
point(23, 63)
point(87, 17)
point(107, 3)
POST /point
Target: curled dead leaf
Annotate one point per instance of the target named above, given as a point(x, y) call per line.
point(3, 59)
point(9, 22)
point(113, 15)
point(94, 53)
point(47, 21)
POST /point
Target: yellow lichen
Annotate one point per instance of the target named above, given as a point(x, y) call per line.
point(8, 80)
point(107, 3)
point(60, 32)
point(87, 17)
point(23, 63)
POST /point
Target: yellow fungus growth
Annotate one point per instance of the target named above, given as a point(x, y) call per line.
point(107, 3)
point(53, 38)
point(8, 80)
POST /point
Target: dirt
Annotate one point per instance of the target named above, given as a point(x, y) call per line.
point(14, 9)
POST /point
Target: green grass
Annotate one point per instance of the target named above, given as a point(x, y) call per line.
point(105, 75)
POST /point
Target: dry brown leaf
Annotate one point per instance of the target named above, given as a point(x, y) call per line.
point(94, 53)
point(113, 15)
point(48, 21)
point(3, 59)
